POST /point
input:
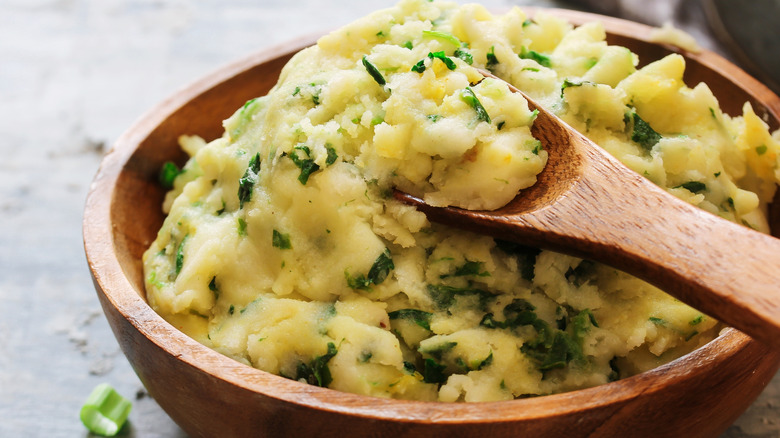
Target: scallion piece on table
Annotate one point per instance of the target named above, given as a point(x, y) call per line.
point(105, 411)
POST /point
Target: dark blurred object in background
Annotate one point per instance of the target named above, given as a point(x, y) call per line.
point(751, 33)
point(747, 32)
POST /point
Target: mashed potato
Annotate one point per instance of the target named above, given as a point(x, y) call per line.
point(284, 250)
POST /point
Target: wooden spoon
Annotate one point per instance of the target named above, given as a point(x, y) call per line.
point(588, 204)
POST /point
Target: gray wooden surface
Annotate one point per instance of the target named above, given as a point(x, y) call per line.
point(74, 74)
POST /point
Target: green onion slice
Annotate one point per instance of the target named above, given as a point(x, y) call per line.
point(468, 96)
point(442, 36)
point(373, 71)
point(105, 411)
point(447, 61)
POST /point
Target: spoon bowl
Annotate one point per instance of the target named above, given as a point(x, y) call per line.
point(588, 204)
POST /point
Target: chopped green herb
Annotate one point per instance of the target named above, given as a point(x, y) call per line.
point(315, 96)
point(213, 287)
point(419, 317)
point(528, 22)
point(693, 186)
point(241, 226)
point(248, 306)
point(332, 156)
point(562, 351)
point(517, 313)
point(152, 279)
point(463, 54)
point(657, 321)
point(444, 296)
point(248, 103)
point(307, 164)
point(643, 134)
point(530, 69)
point(381, 267)
point(716, 174)
point(442, 36)
point(408, 45)
point(247, 182)
point(730, 201)
point(537, 146)
point(584, 272)
point(372, 70)
point(221, 210)
point(526, 256)
point(419, 67)
point(492, 61)
point(377, 120)
point(761, 150)
point(568, 84)
point(359, 281)
point(245, 116)
point(365, 356)
point(433, 372)
point(471, 268)
point(198, 314)
point(443, 58)
point(540, 58)
point(697, 320)
point(484, 362)
point(381, 34)
point(168, 173)
point(433, 118)
point(180, 254)
point(582, 323)
point(552, 349)
point(232, 309)
point(438, 351)
point(591, 62)
point(500, 125)
point(317, 372)
point(280, 240)
point(376, 275)
point(468, 96)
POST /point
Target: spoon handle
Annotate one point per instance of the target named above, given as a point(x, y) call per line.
point(723, 269)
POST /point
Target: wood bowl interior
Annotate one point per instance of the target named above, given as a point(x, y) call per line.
point(192, 382)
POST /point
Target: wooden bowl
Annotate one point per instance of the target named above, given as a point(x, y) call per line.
point(210, 395)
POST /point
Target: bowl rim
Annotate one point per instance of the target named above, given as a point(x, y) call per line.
point(111, 282)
